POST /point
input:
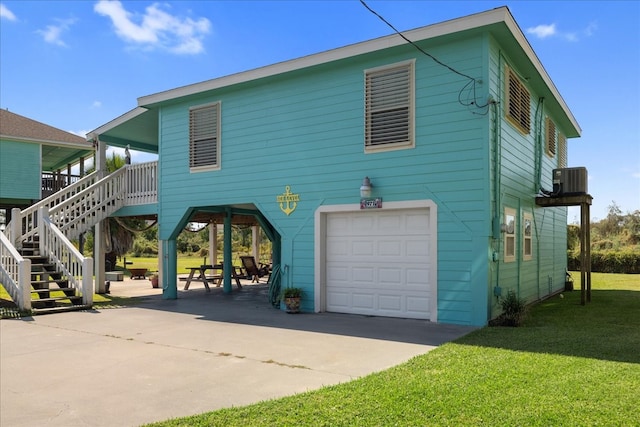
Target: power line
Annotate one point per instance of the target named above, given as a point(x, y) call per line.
point(436, 60)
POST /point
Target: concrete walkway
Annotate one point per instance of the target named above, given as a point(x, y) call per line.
point(162, 359)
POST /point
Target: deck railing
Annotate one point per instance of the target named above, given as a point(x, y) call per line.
point(142, 184)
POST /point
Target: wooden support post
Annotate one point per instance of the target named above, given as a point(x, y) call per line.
point(228, 253)
point(584, 223)
point(587, 232)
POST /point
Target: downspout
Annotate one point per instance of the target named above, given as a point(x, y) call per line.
point(539, 152)
point(497, 156)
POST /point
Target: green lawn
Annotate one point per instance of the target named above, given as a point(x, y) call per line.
point(567, 365)
point(184, 261)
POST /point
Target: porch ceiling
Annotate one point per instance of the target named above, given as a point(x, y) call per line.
point(57, 157)
point(137, 128)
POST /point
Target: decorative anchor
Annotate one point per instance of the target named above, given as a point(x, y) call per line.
point(287, 199)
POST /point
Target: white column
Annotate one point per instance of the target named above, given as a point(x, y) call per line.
point(98, 236)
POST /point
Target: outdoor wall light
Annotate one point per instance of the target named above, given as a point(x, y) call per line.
point(365, 188)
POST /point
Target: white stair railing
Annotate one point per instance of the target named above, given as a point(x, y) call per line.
point(26, 223)
point(64, 216)
point(76, 269)
point(15, 274)
point(86, 208)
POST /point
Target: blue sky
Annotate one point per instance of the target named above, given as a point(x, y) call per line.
point(76, 65)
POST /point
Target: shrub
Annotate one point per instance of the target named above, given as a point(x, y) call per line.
point(514, 310)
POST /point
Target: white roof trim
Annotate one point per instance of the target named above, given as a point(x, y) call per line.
point(65, 144)
point(448, 27)
point(131, 114)
point(528, 50)
point(494, 16)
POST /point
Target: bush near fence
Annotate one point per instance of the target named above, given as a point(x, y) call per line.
point(624, 261)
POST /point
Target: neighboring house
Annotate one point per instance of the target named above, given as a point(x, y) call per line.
point(454, 154)
point(35, 161)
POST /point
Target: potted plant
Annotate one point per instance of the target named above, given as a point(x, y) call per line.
point(292, 298)
point(154, 280)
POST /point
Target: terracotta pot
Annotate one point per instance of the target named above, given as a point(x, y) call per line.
point(154, 282)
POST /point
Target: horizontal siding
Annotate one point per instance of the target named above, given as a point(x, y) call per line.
point(519, 182)
point(305, 129)
point(20, 172)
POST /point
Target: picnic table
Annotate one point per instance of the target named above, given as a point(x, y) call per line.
point(215, 278)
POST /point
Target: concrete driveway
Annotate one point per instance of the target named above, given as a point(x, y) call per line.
point(163, 359)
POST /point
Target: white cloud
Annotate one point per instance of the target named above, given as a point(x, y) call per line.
point(156, 28)
point(53, 33)
point(5, 13)
point(96, 104)
point(543, 31)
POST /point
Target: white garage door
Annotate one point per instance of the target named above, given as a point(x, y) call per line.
point(378, 263)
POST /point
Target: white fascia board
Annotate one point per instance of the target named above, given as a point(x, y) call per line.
point(479, 20)
point(131, 114)
point(64, 144)
point(522, 41)
point(423, 33)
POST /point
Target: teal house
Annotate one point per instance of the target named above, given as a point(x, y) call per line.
point(393, 178)
point(36, 160)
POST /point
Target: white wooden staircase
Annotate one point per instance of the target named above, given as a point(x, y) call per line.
point(39, 265)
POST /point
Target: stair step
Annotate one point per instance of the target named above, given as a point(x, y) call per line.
point(45, 290)
point(61, 309)
point(55, 302)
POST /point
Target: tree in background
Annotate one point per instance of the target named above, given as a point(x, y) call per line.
point(615, 243)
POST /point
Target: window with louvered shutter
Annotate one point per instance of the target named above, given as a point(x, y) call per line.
point(518, 107)
point(389, 107)
point(562, 151)
point(551, 137)
point(204, 136)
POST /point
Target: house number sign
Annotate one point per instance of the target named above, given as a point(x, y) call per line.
point(288, 201)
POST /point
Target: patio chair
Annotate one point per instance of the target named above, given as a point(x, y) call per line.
point(254, 270)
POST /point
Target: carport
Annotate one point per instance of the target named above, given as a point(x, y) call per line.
point(244, 214)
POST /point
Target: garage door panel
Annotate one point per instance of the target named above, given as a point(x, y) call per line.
point(337, 248)
point(338, 274)
point(387, 248)
point(419, 248)
point(339, 300)
point(389, 302)
point(381, 263)
point(416, 277)
point(362, 248)
point(390, 276)
point(363, 274)
point(416, 305)
point(363, 301)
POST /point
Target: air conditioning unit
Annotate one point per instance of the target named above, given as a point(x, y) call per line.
point(570, 181)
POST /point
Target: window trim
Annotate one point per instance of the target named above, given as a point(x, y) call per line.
point(410, 103)
point(515, 108)
point(527, 251)
point(208, 167)
point(550, 138)
point(510, 235)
